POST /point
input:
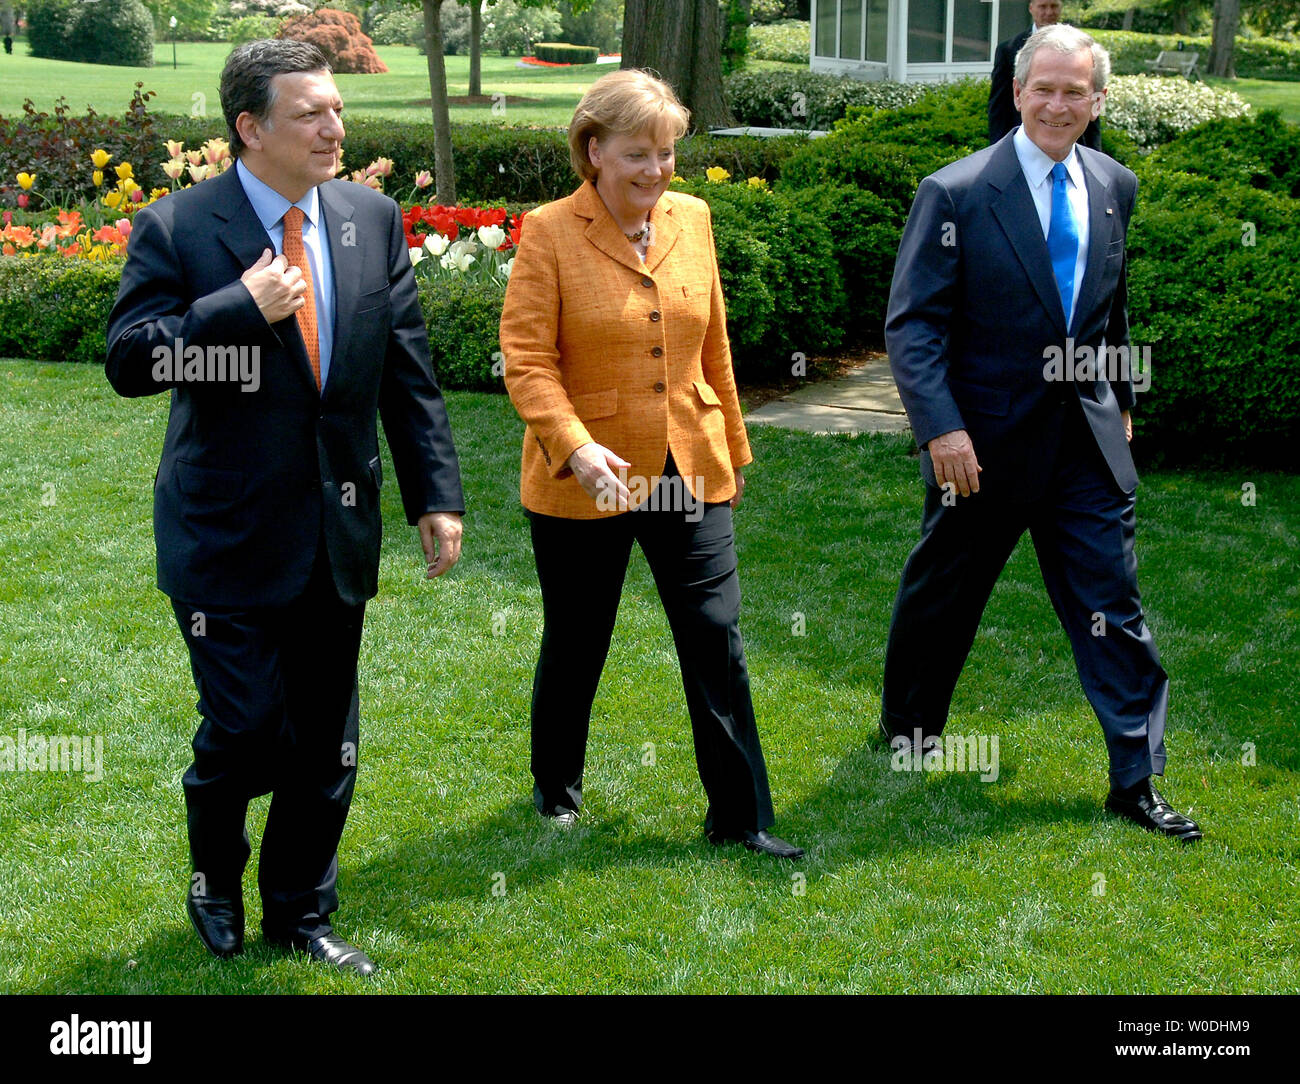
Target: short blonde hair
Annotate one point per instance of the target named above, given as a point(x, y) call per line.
point(623, 103)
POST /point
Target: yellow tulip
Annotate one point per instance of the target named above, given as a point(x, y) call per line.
point(26, 180)
point(717, 174)
point(100, 158)
point(98, 177)
point(113, 199)
point(124, 171)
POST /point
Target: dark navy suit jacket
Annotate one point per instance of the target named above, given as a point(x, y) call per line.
point(249, 480)
point(974, 309)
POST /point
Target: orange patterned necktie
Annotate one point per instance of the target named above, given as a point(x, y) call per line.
point(297, 256)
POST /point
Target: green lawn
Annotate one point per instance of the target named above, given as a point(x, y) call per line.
point(1266, 94)
point(913, 882)
point(401, 94)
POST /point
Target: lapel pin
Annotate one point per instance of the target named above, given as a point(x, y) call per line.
point(1109, 211)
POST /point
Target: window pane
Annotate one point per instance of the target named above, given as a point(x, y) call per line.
point(877, 29)
point(851, 29)
point(972, 25)
point(926, 23)
point(826, 10)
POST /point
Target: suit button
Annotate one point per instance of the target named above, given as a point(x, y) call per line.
point(657, 352)
point(660, 386)
point(655, 315)
point(647, 282)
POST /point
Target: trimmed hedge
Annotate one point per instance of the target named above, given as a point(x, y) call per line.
point(1256, 58)
point(112, 32)
point(56, 310)
point(463, 318)
point(560, 53)
point(789, 40)
point(806, 99)
point(1261, 151)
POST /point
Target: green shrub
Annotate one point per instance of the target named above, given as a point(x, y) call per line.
point(1258, 151)
point(599, 23)
point(403, 26)
point(888, 152)
point(253, 28)
point(1256, 58)
point(806, 99)
point(55, 309)
point(463, 318)
point(800, 271)
point(1152, 110)
point(512, 28)
point(560, 53)
point(112, 32)
point(1151, 18)
point(789, 40)
point(49, 27)
point(1214, 271)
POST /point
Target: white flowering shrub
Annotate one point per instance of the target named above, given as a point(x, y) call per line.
point(1152, 110)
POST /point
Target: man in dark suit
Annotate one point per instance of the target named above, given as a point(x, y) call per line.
point(1003, 112)
point(1010, 276)
point(279, 307)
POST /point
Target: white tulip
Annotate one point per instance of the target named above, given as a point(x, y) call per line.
point(436, 243)
point(492, 237)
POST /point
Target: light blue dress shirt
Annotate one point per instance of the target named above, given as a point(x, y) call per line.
point(1037, 167)
point(270, 207)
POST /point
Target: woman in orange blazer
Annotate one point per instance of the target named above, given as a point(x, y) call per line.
point(616, 357)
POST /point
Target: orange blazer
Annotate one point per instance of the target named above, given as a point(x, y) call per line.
point(599, 347)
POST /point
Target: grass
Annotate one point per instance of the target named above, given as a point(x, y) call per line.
point(914, 882)
point(1265, 94)
point(395, 96)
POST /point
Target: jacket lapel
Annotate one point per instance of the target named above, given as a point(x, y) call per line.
point(603, 232)
point(1101, 218)
point(345, 254)
point(664, 232)
point(1016, 214)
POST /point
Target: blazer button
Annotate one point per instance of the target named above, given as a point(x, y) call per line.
point(660, 386)
point(647, 282)
point(657, 352)
point(655, 316)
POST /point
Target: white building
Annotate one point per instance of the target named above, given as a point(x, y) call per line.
point(911, 41)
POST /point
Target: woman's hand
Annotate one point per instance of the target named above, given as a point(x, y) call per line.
point(740, 486)
point(594, 466)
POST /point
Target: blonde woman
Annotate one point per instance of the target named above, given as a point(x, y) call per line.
point(616, 357)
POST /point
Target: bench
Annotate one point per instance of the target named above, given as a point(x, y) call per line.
point(1176, 61)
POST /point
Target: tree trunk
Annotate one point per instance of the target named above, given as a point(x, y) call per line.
point(1128, 18)
point(444, 170)
point(681, 40)
point(1227, 16)
point(475, 48)
point(1182, 24)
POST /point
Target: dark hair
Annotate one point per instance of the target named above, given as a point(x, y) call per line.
point(246, 78)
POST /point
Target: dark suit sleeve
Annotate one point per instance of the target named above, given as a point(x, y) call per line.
point(410, 403)
point(154, 311)
point(1117, 332)
point(1002, 110)
point(922, 299)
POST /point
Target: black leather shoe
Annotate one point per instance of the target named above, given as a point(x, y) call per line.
point(219, 922)
point(763, 842)
point(1143, 805)
point(329, 948)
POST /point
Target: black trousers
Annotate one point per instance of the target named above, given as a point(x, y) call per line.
point(1083, 530)
point(278, 699)
point(581, 565)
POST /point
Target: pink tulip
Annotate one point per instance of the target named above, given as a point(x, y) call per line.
point(175, 148)
point(423, 179)
point(198, 172)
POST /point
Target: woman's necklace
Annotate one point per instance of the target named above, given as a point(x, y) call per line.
point(640, 235)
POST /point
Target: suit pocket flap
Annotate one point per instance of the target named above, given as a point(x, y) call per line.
point(196, 481)
point(981, 398)
point(596, 404)
point(707, 393)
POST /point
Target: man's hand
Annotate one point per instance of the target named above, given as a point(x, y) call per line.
point(954, 461)
point(1128, 425)
point(594, 466)
point(740, 486)
point(278, 288)
point(440, 536)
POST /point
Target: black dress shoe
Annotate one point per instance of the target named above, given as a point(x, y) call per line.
point(1144, 805)
point(329, 948)
point(219, 921)
point(762, 841)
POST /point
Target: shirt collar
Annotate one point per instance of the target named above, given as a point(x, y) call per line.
point(268, 204)
point(1037, 165)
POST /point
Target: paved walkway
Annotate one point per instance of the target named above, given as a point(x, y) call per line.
point(862, 401)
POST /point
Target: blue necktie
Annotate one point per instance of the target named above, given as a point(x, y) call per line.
point(1062, 240)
